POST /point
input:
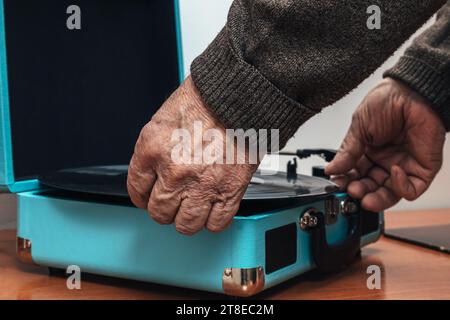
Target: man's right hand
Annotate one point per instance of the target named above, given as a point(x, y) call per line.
point(393, 149)
point(193, 196)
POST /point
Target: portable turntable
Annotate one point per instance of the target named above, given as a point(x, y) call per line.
point(65, 94)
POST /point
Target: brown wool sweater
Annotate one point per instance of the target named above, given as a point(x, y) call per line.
point(277, 63)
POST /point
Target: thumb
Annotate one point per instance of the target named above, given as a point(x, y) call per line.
point(351, 150)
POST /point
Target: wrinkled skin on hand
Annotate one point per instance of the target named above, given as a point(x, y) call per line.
point(393, 149)
point(192, 196)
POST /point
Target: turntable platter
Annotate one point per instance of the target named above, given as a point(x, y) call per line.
point(111, 181)
point(277, 186)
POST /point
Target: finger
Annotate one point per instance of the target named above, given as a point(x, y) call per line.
point(140, 182)
point(404, 187)
point(364, 165)
point(375, 178)
point(344, 180)
point(381, 199)
point(163, 203)
point(360, 188)
point(221, 215)
point(192, 215)
point(344, 161)
point(351, 150)
point(379, 175)
point(341, 181)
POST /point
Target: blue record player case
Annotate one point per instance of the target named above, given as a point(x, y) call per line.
point(46, 73)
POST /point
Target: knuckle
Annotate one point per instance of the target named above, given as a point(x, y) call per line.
point(145, 147)
point(132, 186)
point(215, 227)
point(160, 213)
point(153, 208)
point(137, 201)
point(185, 229)
point(135, 195)
point(356, 116)
point(160, 218)
point(345, 152)
point(133, 167)
point(411, 197)
point(190, 216)
point(219, 220)
point(140, 143)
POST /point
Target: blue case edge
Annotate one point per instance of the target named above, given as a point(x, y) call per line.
point(6, 169)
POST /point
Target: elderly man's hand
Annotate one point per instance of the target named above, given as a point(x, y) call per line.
point(392, 150)
point(193, 195)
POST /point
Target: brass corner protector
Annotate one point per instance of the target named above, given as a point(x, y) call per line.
point(243, 282)
point(24, 250)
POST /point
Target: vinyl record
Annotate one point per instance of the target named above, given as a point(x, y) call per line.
point(111, 181)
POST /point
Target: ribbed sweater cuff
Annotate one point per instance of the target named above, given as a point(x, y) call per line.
point(427, 81)
point(240, 96)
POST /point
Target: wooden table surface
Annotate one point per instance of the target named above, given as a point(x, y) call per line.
point(408, 272)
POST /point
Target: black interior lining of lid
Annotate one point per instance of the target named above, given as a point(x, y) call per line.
point(80, 97)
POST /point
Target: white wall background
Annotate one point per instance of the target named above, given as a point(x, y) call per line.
point(201, 20)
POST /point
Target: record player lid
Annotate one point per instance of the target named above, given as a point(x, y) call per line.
point(68, 119)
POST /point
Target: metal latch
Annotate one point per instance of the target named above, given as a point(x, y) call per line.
point(308, 220)
point(349, 206)
point(332, 209)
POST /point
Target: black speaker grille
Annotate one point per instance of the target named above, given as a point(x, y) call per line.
point(281, 247)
